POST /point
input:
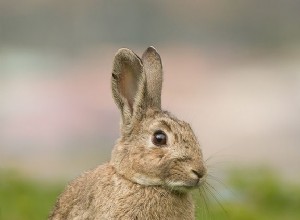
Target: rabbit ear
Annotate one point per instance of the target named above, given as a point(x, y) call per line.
point(128, 84)
point(154, 74)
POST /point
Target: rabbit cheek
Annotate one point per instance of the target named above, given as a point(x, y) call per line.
point(147, 169)
point(179, 177)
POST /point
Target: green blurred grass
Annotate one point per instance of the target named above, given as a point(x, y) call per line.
point(22, 198)
point(249, 194)
point(252, 194)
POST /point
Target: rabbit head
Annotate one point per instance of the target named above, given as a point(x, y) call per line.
point(155, 148)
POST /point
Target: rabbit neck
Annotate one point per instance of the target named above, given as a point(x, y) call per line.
point(149, 202)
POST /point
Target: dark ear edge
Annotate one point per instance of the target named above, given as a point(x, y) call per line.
point(154, 74)
point(128, 83)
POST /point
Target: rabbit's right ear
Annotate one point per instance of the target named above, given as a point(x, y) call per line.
point(154, 74)
point(128, 84)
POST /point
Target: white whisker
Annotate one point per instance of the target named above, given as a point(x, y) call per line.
point(215, 198)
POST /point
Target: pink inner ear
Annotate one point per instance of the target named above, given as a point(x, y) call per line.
point(128, 84)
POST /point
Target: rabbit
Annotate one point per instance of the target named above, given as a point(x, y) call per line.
point(155, 163)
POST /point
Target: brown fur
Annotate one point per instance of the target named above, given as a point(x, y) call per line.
point(142, 180)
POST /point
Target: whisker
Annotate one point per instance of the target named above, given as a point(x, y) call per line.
point(214, 163)
point(205, 212)
point(219, 153)
point(202, 201)
point(207, 200)
point(209, 187)
point(214, 189)
point(215, 198)
point(211, 177)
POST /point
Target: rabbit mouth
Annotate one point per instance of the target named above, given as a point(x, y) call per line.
point(184, 185)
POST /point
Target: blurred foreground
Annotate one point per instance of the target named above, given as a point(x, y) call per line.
point(248, 194)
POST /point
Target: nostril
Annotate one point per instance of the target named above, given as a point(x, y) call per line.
point(198, 174)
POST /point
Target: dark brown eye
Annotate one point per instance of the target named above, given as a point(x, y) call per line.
point(159, 138)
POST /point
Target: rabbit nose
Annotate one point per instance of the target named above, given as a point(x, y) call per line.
point(199, 173)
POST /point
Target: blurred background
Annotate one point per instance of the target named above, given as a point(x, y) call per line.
point(231, 69)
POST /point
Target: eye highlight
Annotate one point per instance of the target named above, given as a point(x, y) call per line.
point(159, 138)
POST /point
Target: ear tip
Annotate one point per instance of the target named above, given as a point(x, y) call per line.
point(123, 51)
point(151, 52)
point(127, 54)
point(151, 49)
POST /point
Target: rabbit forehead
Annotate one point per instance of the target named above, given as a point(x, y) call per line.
point(165, 119)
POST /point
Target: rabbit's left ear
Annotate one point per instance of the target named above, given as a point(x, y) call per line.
point(154, 74)
point(129, 86)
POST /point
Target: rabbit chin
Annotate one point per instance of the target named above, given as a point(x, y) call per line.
point(146, 180)
point(181, 186)
point(178, 186)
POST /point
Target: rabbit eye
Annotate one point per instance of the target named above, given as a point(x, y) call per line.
point(159, 138)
